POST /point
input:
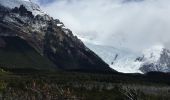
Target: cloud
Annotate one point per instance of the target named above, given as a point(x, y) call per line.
point(44, 2)
point(133, 24)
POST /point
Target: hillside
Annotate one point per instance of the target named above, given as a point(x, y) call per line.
point(17, 53)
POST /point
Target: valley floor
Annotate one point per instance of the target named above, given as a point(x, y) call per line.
point(83, 86)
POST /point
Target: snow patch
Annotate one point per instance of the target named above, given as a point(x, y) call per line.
point(34, 8)
point(153, 54)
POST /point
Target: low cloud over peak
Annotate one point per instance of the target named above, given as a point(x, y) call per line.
point(121, 23)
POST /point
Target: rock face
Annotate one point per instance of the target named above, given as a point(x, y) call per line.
point(16, 53)
point(48, 37)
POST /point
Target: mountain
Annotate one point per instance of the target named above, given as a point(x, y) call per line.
point(156, 58)
point(48, 36)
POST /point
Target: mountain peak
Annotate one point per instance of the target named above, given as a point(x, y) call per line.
point(156, 58)
point(30, 6)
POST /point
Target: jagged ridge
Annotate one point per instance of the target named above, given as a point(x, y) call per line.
point(50, 38)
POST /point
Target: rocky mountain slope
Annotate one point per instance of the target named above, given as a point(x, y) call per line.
point(17, 53)
point(48, 36)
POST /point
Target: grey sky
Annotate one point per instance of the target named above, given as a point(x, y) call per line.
point(134, 25)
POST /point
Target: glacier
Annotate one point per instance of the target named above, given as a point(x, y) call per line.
point(155, 58)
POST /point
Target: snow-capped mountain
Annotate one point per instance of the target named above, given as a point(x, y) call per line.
point(48, 36)
point(116, 25)
point(156, 58)
point(51, 38)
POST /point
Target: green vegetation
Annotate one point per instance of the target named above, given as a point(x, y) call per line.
point(82, 86)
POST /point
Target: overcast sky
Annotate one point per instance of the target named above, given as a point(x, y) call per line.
point(134, 24)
